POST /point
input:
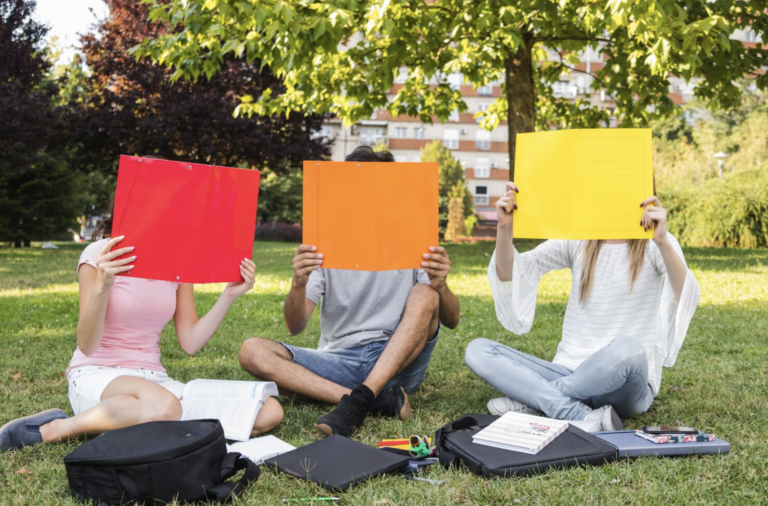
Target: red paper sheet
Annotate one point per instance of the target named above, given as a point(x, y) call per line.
point(188, 222)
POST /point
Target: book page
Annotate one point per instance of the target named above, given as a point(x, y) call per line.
point(229, 389)
point(236, 415)
point(261, 448)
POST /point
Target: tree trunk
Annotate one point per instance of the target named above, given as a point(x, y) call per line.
point(521, 95)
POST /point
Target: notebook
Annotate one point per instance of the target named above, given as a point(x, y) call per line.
point(521, 433)
point(629, 445)
point(336, 463)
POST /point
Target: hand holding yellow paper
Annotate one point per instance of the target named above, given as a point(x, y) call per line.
point(583, 184)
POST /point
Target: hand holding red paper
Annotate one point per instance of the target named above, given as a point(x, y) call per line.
point(108, 265)
point(248, 273)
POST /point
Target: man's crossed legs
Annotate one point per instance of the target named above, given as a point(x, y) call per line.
point(372, 378)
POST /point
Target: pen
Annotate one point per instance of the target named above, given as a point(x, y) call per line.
point(311, 499)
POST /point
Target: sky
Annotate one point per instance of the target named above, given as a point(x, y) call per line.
point(67, 19)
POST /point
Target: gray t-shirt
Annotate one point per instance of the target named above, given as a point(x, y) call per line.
point(360, 307)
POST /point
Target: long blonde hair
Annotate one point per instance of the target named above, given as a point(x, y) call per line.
point(635, 252)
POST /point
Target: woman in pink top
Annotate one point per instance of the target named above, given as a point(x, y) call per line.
point(115, 376)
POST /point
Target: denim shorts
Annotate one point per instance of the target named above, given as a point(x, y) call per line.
point(349, 367)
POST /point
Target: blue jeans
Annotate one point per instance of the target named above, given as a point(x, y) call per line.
point(615, 375)
point(349, 367)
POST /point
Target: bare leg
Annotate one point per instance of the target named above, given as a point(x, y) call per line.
point(271, 361)
point(417, 326)
point(269, 417)
point(126, 401)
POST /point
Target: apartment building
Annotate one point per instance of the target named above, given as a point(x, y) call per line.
point(483, 154)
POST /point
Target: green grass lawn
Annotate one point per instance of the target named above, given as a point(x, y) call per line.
point(719, 383)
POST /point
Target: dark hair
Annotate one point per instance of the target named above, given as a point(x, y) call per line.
point(367, 154)
point(104, 228)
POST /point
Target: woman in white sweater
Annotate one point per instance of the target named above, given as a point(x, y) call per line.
point(630, 306)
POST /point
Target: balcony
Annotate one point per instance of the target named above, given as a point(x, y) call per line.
point(481, 200)
point(374, 140)
point(451, 143)
point(564, 89)
point(483, 145)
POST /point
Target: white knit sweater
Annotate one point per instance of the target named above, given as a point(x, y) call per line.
point(647, 312)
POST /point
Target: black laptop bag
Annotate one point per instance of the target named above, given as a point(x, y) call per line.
point(574, 447)
point(158, 462)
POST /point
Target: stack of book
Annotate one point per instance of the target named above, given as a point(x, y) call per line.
point(521, 433)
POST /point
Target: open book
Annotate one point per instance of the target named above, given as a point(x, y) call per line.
point(262, 448)
point(236, 404)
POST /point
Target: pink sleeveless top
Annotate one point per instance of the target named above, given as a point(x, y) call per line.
point(137, 312)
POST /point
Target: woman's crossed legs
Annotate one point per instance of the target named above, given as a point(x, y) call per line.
point(615, 375)
point(129, 400)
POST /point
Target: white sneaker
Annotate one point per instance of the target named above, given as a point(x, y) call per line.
point(501, 405)
point(607, 417)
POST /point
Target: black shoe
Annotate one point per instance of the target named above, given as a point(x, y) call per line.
point(393, 403)
point(349, 414)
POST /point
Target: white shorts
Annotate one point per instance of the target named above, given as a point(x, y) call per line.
point(87, 383)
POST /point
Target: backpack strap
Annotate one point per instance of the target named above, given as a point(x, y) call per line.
point(226, 490)
point(444, 455)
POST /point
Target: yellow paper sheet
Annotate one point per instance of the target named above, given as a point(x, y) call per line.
point(583, 184)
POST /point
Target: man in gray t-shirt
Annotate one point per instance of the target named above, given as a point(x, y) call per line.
point(378, 330)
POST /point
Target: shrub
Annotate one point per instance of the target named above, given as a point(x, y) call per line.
point(732, 211)
point(469, 224)
point(276, 231)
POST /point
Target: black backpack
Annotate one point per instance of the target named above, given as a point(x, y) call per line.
point(158, 462)
point(574, 447)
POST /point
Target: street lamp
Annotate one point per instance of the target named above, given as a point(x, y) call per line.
point(720, 156)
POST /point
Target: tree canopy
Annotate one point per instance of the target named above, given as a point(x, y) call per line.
point(37, 191)
point(343, 56)
point(126, 106)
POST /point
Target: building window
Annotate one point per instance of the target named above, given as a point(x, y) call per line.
point(325, 131)
point(454, 81)
point(483, 140)
point(482, 167)
point(401, 133)
point(486, 90)
point(481, 195)
point(451, 138)
point(564, 89)
point(482, 107)
point(372, 136)
point(418, 132)
point(416, 158)
point(454, 116)
point(401, 158)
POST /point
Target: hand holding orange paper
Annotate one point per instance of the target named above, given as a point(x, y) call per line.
point(188, 222)
point(370, 216)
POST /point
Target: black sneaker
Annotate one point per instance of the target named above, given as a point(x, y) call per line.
point(393, 403)
point(348, 415)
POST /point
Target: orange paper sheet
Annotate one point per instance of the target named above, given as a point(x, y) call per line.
point(370, 216)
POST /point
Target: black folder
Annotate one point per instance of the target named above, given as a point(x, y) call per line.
point(336, 462)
